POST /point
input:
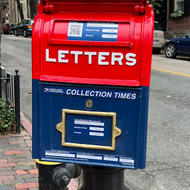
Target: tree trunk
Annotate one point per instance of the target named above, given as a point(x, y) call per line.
point(12, 12)
point(33, 8)
point(1, 18)
point(20, 9)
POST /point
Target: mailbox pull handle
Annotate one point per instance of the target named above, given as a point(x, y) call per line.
point(117, 132)
point(60, 127)
point(127, 44)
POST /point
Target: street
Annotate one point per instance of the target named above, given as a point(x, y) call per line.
point(168, 148)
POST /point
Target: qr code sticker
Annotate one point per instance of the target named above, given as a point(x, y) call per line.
point(75, 29)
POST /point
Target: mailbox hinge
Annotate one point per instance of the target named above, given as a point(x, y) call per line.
point(142, 7)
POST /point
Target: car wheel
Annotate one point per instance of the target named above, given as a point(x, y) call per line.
point(170, 51)
point(156, 50)
point(16, 33)
point(25, 33)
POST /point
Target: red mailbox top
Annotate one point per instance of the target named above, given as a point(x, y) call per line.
point(93, 42)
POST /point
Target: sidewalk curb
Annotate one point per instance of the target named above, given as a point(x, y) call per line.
point(28, 127)
point(26, 124)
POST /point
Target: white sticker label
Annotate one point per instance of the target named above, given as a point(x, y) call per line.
point(75, 29)
point(110, 30)
point(102, 25)
point(88, 122)
point(109, 36)
point(96, 129)
point(89, 157)
point(96, 134)
point(112, 159)
point(126, 160)
point(47, 153)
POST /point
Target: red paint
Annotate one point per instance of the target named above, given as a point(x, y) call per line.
point(135, 35)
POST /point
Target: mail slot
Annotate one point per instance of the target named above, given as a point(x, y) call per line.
point(91, 76)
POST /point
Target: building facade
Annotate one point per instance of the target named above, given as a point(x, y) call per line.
point(178, 18)
point(12, 13)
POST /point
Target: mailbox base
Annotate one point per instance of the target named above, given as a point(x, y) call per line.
point(45, 178)
point(103, 178)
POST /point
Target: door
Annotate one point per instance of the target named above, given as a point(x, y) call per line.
point(184, 45)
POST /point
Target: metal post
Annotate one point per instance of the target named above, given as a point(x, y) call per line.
point(56, 177)
point(103, 178)
point(0, 82)
point(6, 96)
point(45, 177)
point(17, 100)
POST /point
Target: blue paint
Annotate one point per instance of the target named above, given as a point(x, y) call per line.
point(131, 110)
point(106, 32)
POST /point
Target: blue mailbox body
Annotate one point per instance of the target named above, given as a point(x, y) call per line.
point(90, 97)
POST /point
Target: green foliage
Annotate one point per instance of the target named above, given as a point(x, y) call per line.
point(157, 4)
point(7, 117)
point(176, 14)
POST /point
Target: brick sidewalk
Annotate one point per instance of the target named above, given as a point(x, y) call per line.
point(17, 169)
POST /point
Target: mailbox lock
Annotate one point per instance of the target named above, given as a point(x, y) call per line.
point(89, 103)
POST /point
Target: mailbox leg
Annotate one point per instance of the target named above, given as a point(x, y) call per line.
point(45, 178)
point(103, 178)
point(56, 177)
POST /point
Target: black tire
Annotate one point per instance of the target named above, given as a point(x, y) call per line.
point(16, 33)
point(156, 50)
point(170, 51)
point(25, 33)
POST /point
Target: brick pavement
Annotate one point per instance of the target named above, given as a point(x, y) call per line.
point(17, 168)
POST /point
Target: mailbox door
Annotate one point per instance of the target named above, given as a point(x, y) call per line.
point(110, 47)
point(89, 134)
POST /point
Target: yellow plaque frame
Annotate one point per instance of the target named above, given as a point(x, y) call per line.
point(115, 131)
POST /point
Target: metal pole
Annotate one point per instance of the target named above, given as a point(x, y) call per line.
point(45, 177)
point(56, 177)
point(17, 100)
point(6, 97)
point(0, 82)
point(103, 178)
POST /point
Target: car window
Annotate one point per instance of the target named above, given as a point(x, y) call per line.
point(186, 36)
point(22, 22)
point(25, 21)
point(31, 22)
point(157, 26)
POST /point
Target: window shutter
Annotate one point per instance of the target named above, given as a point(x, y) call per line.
point(186, 8)
point(171, 6)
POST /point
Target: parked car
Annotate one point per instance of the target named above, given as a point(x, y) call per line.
point(24, 28)
point(159, 38)
point(178, 46)
point(11, 30)
point(6, 28)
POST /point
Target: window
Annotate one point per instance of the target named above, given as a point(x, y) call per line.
point(157, 26)
point(179, 6)
point(27, 21)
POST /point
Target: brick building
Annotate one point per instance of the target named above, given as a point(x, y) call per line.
point(178, 17)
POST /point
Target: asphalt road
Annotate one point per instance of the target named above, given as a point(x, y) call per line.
point(168, 151)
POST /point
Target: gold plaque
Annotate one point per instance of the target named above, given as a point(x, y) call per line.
point(89, 103)
point(62, 128)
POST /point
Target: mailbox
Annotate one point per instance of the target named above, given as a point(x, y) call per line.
point(91, 76)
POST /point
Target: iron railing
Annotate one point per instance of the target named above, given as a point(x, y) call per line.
point(10, 91)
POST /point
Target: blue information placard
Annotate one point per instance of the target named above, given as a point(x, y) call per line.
point(88, 129)
point(93, 31)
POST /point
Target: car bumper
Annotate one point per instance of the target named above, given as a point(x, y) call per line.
point(158, 44)
point(29, 32)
